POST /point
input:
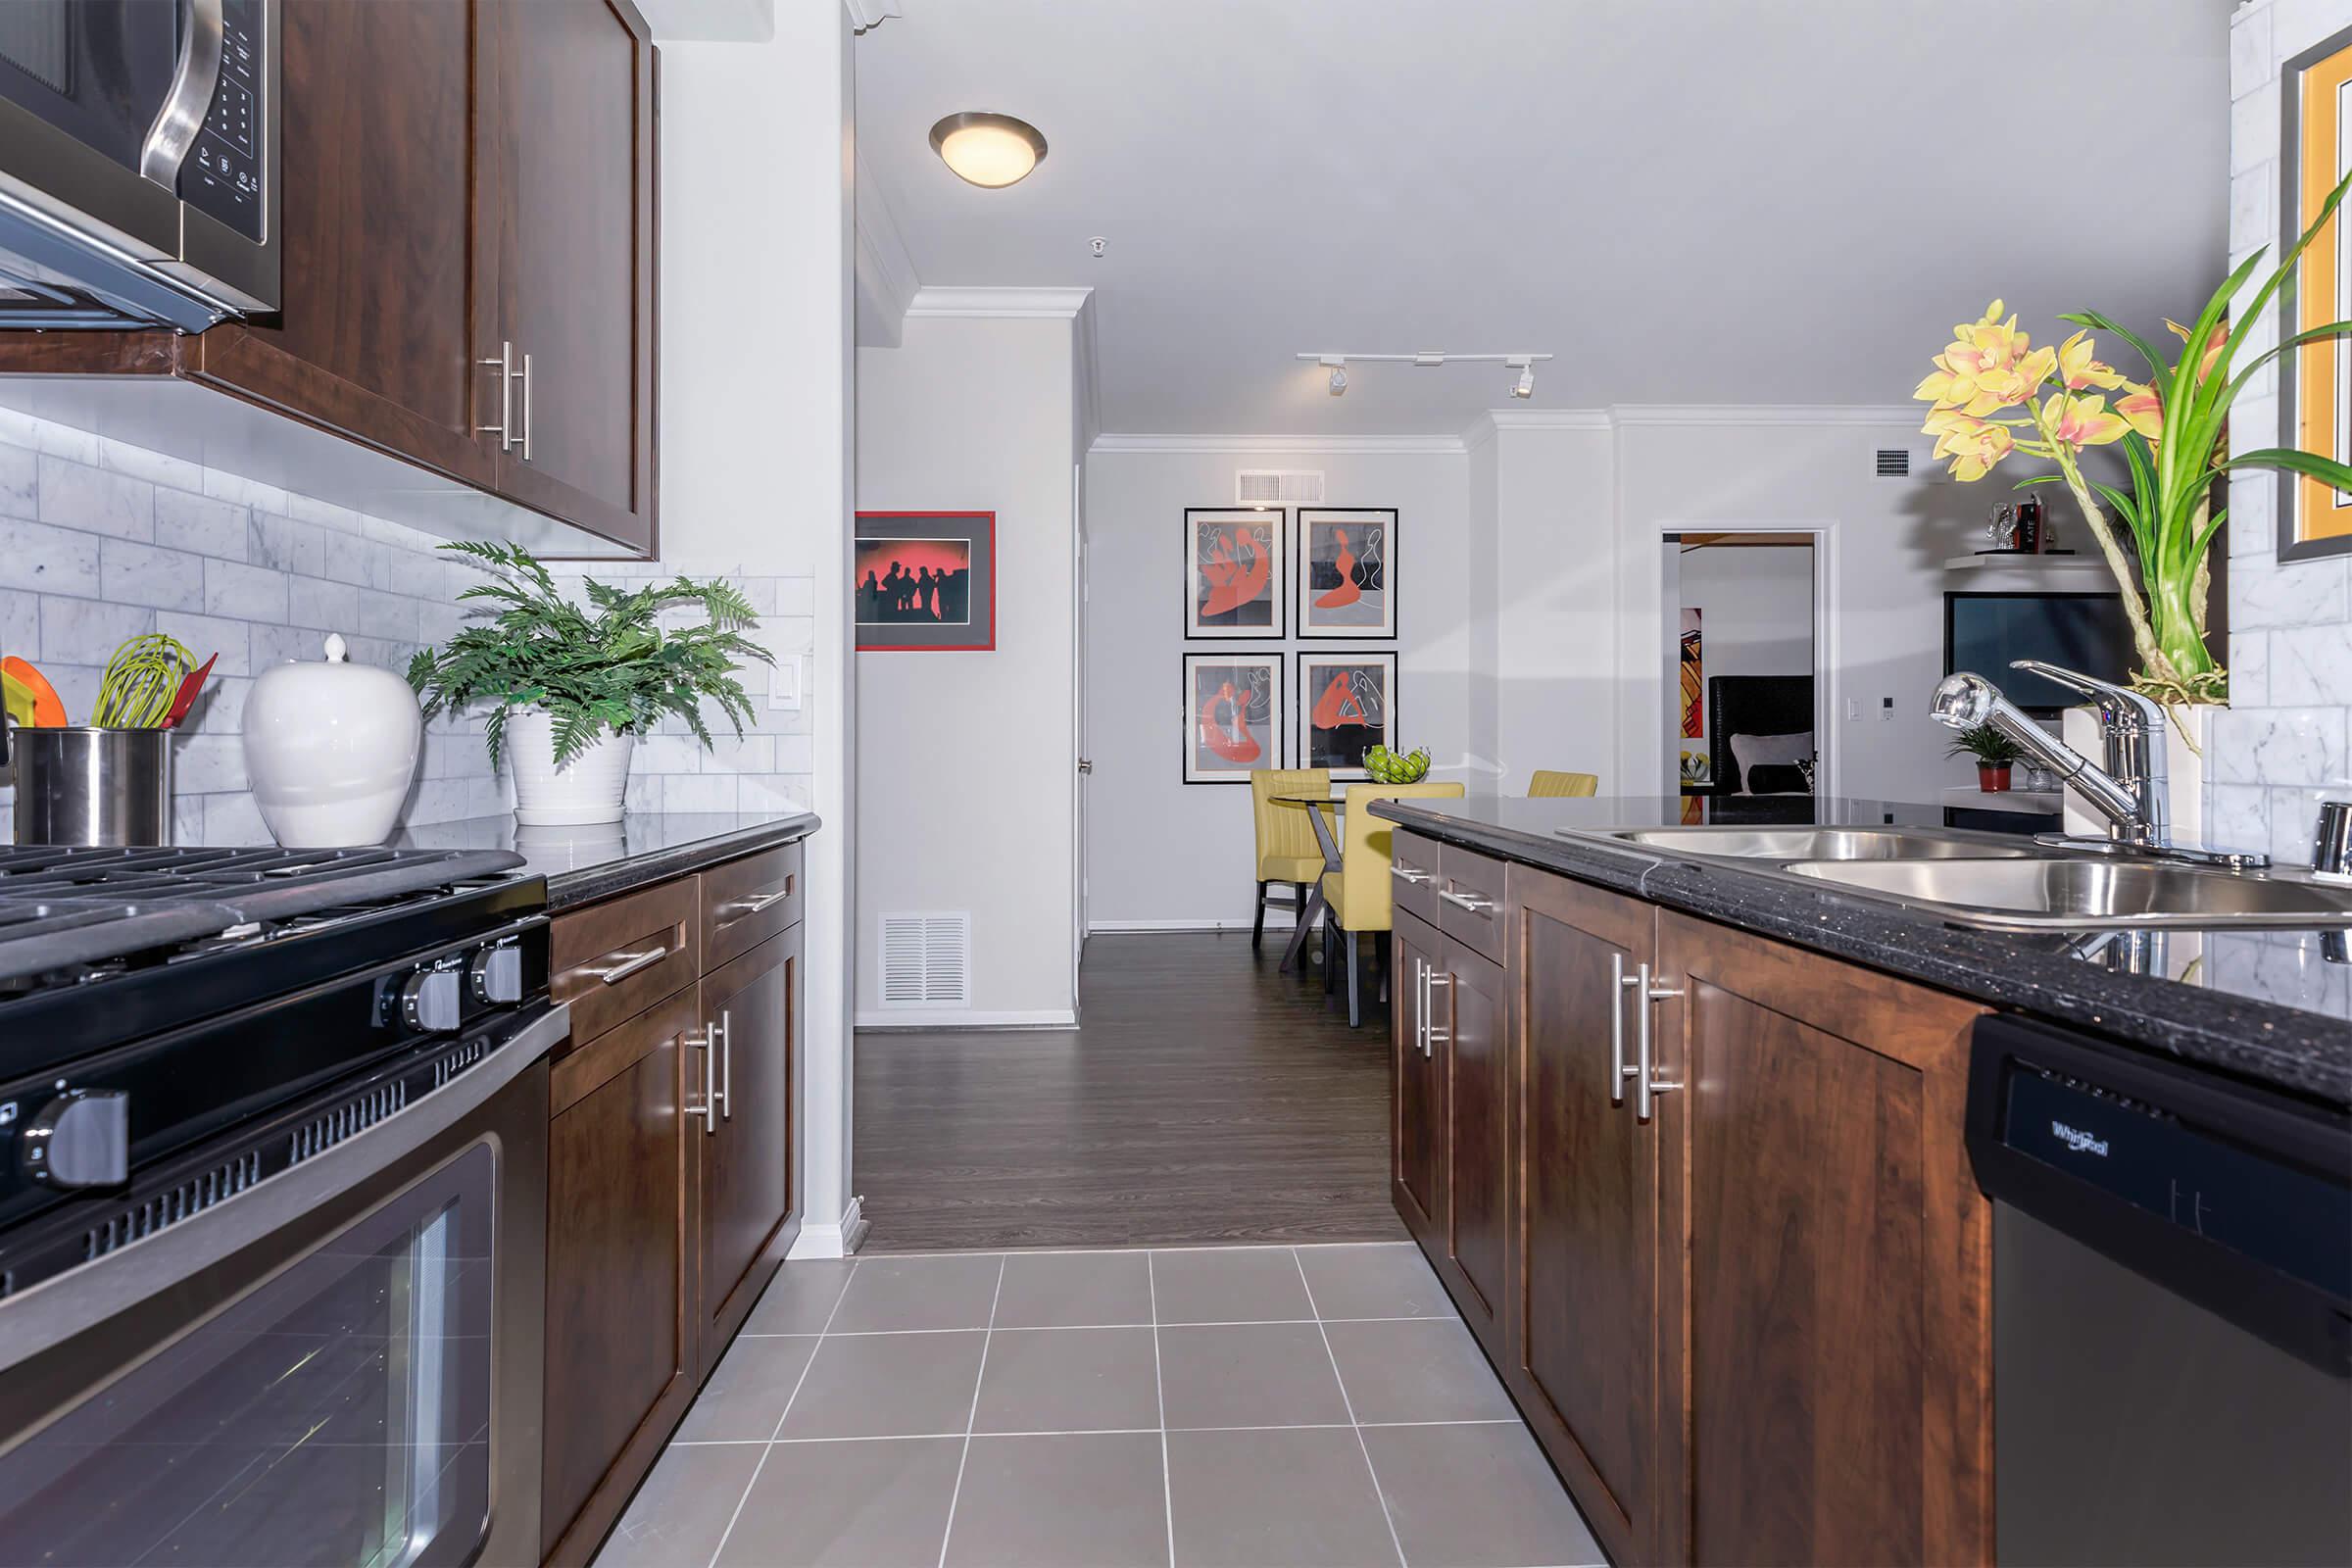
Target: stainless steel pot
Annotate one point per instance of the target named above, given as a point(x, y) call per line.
point(80, 785)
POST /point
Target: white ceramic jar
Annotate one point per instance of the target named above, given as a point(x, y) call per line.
point(330, 749)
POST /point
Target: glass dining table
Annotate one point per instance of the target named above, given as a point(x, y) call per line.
point(1325, 809)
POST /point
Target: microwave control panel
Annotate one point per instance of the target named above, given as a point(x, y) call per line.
point(223, 172)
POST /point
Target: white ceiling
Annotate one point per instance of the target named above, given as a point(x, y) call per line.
point(1686, 201)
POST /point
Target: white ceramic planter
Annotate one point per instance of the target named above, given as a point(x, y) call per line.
point(330, 749)
point(2184, 769)
point(587, 789)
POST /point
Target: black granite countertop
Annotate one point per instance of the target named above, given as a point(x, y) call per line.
point(2268, 1006)
point(584, 864)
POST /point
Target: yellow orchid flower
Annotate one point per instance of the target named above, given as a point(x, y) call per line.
point(2141, 408)
point(2077, 369)
point(2078, 421)
point(2213, 344)
point(1974, 445)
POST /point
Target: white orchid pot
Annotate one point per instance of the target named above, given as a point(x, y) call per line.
point(587, 789)
point(2185, 768)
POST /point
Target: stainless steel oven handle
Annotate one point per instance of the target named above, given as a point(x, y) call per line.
point(56, 1310)
point(193, 83)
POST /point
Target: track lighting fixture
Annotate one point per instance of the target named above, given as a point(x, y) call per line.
point(1523, 386)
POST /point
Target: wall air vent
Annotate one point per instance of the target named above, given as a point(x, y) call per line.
point(927, 960)
point(1914, 461)
point(1895, 463)
point(1278, 487)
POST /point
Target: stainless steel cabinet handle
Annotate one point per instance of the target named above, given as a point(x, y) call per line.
point(708, 1108)
point(1420, 1003)
point(526, 408)
point(1646, 1085)
point(629, 965)
point(505, 366)
point(1465, 901)
point(725, 1030)
point(1619, 1072)
point(760, 902)
point(187, 101)
point(1431, 1035)
point(1406, 873)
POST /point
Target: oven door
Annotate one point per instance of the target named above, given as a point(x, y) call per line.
point(340, 1364)
point(137, 151)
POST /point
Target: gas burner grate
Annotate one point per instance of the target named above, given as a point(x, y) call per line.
point(63, 911)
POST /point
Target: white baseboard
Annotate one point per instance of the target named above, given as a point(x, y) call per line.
point(832, 1240)
point(966, 1018)
point(1112, 928)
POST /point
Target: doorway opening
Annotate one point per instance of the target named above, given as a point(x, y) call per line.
point(1746, 665)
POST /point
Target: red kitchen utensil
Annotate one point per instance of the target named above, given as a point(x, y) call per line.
point(188, 689)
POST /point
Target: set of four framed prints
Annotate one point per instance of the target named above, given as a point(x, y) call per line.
point(1251, 576)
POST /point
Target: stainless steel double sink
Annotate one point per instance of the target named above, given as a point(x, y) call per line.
point(2005, 883)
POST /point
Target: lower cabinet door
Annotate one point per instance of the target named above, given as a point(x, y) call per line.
point(746, 1155)
point(1469, 1005)
point(1836, 1301)
point(1417, 1142)
point(622, 1356)
point(1582, 1331)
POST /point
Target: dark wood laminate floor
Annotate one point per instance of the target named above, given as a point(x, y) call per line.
point(1206, 1098)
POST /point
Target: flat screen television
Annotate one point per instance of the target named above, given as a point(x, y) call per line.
point(2089, 632)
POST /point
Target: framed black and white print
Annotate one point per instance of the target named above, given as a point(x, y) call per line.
point(1232, 716)
point(1347, 705)
point(1346, 571)
point(1233, 573)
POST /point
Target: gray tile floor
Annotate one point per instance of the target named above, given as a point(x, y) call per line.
point(1216, 1407)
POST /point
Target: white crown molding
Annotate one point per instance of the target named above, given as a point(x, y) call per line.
point(867, 14)
point(1546, 419)
point(886, 280)
point(1904, 414)
point(1428, 445)
point(1019, 303)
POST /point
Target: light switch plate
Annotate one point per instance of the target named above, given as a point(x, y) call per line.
point(784, 683)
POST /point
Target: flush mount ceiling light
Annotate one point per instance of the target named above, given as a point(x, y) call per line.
point(990, 151)
point(1525, 363)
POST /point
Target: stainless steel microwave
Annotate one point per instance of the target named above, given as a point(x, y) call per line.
point(138, 162)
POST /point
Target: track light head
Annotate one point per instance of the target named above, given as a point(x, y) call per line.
point(1525, 365)
point(1337, 363)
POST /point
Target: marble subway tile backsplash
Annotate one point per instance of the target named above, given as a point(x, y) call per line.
point(2286, 742)
point(101, 541)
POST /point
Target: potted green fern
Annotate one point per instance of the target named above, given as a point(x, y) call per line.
point(571, 688)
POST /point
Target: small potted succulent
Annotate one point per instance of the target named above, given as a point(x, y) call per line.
point(1994, 752)
point(571, 688)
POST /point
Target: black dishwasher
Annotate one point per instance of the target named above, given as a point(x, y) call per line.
point(2172, 1308)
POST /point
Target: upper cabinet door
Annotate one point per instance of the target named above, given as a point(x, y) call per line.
point(379, 236)
point(567, 195)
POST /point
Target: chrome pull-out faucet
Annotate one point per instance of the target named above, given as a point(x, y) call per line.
point(2130, 790)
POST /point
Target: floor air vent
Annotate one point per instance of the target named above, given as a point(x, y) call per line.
point(1278, 487)
point(927, 960)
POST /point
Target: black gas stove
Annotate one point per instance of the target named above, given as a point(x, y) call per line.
point(155, 1003)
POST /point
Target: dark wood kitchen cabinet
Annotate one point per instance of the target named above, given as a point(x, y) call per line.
point(621, 1294)
point(565, 203)
point(463, 183)
point(1753, 1325)
point(673, 1186)
point(745, 1157)
point(1451, 1108)
point(1833, 1307)
point(1582, 1334)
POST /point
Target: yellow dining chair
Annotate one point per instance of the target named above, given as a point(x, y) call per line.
point(1287, 850)
point(1358, 891)
point(1548, 783)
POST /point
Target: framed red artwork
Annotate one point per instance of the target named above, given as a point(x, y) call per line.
point(925, 581)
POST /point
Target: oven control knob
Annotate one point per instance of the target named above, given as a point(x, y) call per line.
point(429, 999)
point(496, 974)
point(80, 1138)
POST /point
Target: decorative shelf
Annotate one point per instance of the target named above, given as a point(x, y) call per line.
point(2091, 566)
